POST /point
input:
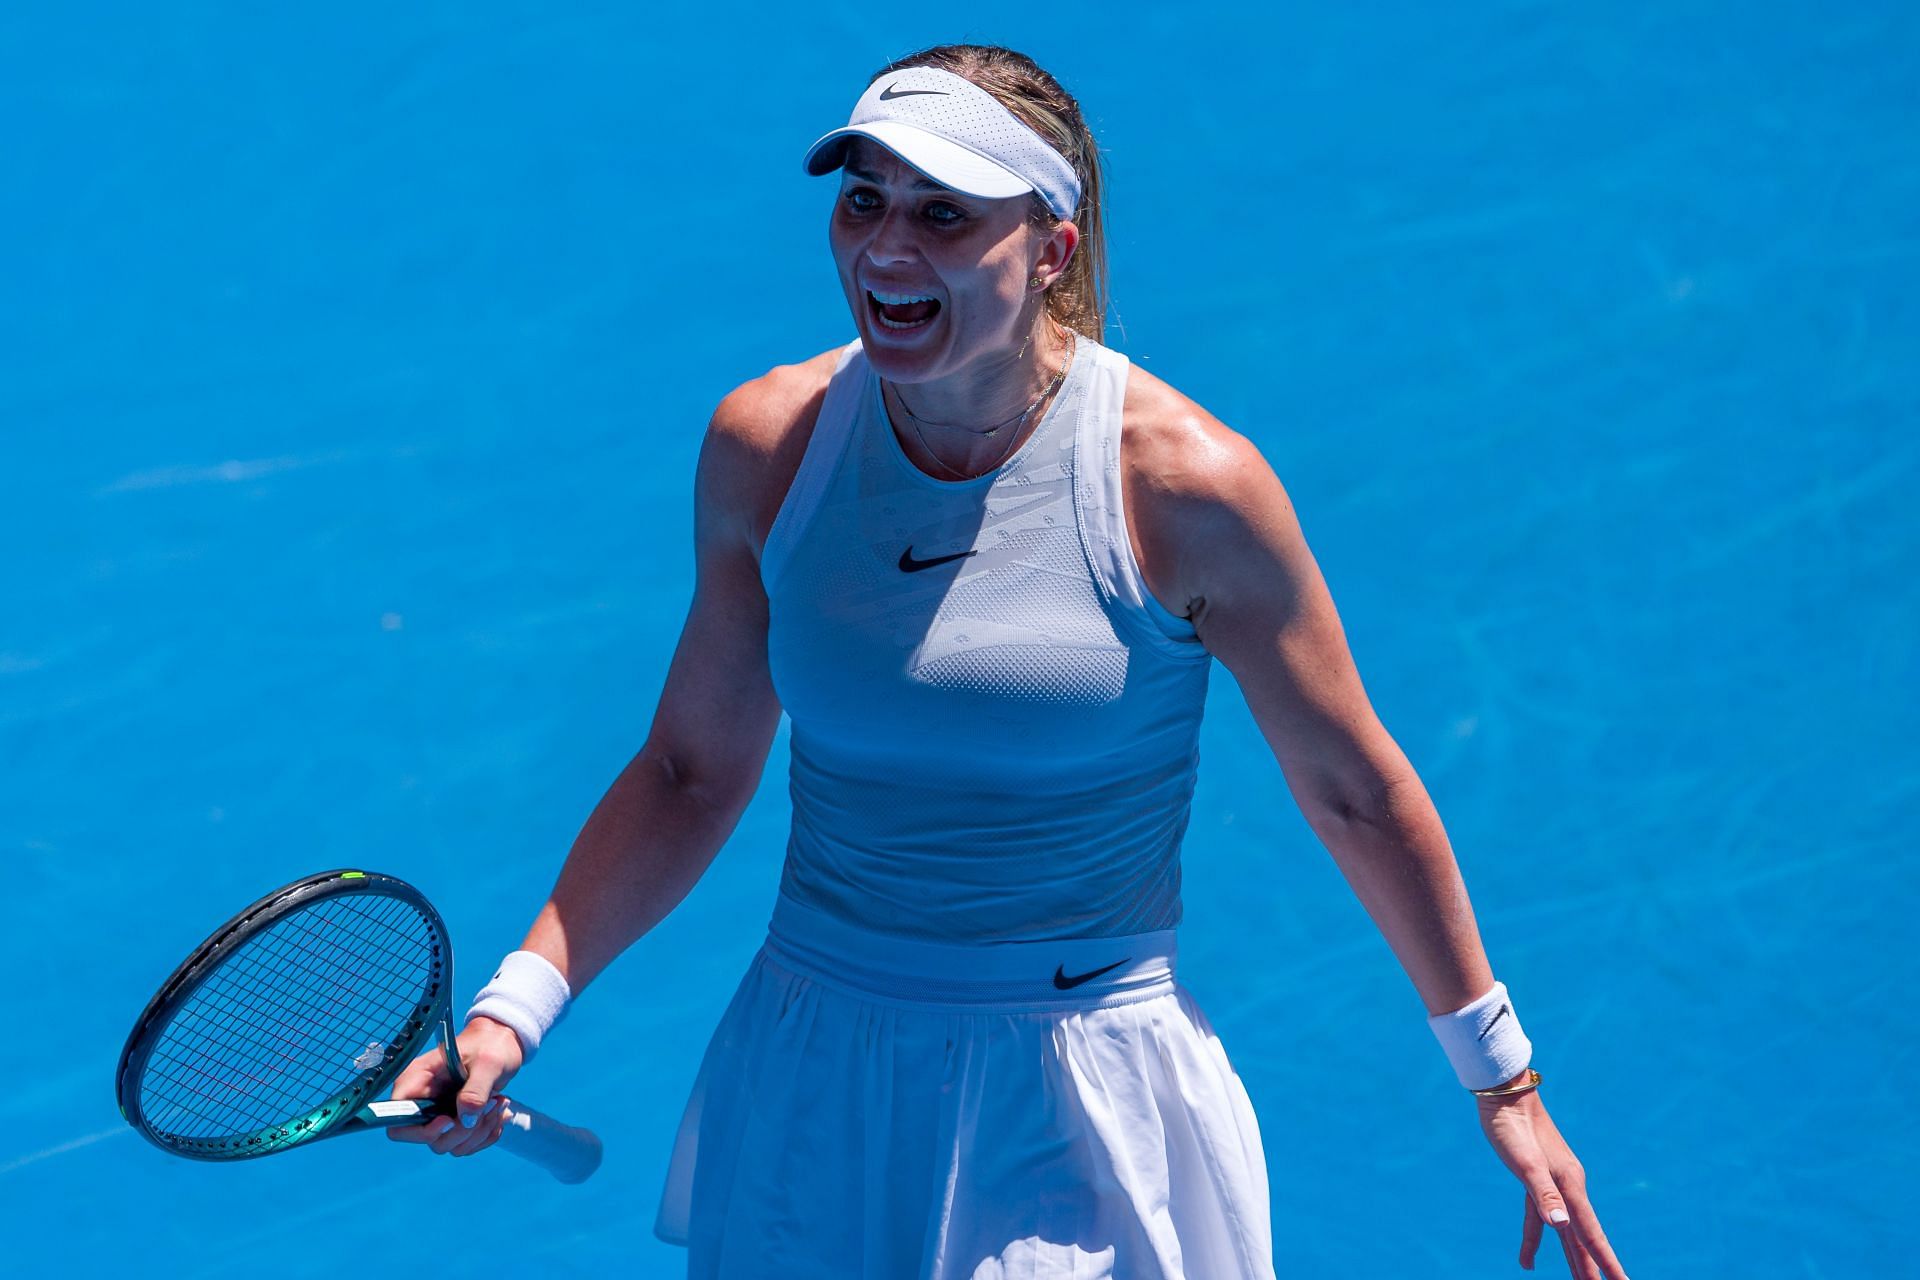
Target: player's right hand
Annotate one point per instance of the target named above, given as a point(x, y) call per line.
point(491, 1053)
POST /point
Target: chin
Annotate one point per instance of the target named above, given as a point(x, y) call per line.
point(895, 365)
point(914, 358)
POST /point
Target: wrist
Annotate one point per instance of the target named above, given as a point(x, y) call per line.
point(1483, 1041)
point(1526, 1083)
point(527, 996)
point(485, 1024)
point(493, 1030)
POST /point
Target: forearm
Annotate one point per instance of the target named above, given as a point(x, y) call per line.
point(1395, 856)
point(644, 847)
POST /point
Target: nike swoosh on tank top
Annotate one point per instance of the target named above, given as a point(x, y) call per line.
point(1002, 747)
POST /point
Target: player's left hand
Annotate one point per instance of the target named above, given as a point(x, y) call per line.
point(1525, 1138)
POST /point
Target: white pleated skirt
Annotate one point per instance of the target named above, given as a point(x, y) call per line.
point(878, 1108)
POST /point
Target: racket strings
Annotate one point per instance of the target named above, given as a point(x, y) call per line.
point(215, 1059)
point(247, 1052)
point(200, 1040)
point(313, 989)
point(294, 1017)
point(318, 984)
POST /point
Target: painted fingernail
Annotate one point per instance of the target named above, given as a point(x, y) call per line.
point(493, 1105)
point(1559, 1218)
point(467, 1120)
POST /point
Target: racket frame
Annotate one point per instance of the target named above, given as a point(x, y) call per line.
point(344, 1112)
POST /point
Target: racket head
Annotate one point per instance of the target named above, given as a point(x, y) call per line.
point(288, 1019)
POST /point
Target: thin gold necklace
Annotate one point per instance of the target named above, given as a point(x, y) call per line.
point(1020, 418)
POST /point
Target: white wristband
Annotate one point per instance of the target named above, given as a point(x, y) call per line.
point(1484, 1041)
point(527, 994)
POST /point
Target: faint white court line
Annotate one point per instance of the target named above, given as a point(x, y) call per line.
point(72, 1145)
point(230, 472)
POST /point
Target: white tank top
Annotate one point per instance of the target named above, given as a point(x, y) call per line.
point(995, 725)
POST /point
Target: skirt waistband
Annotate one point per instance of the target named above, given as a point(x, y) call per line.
point(1066, 973)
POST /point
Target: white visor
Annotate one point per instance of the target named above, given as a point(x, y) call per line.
point(956, 133)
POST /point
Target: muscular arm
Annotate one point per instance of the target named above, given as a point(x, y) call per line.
point(659, 826)
point(1225, 533)
point(1237, 557)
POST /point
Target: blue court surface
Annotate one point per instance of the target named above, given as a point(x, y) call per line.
point(353, 364)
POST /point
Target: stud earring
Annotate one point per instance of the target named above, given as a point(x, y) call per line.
point(1034, 283)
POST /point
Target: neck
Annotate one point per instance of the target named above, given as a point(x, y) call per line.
point(989, 394)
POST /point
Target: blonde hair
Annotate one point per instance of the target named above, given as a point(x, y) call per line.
point(1078, 299)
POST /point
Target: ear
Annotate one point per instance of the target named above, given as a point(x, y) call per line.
point(1056, 252)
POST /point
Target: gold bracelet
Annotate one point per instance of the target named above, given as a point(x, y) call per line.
point(1531, 1083)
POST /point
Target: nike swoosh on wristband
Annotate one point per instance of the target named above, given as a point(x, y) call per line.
point(910, 565)
point(889, 93)
point(1062, 981)
point(1504, 1010)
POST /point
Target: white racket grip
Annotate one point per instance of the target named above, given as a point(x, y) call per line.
point(569, 1154)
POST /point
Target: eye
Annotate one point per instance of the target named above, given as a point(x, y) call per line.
point(861, 200)
point(942, 212)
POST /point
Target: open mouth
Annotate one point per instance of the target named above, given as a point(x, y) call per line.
point(901, 311)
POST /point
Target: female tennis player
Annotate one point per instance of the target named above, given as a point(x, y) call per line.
point(990, 613)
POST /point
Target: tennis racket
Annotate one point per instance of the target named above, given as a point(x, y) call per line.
point(289, 1024)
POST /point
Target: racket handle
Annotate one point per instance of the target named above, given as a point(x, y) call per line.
point(569, 1154)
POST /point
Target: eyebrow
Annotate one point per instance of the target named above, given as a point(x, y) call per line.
point(924, 184)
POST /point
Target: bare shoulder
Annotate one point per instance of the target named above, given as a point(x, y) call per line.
point(1220, 526)
point(1188, 480)
point(756, 439)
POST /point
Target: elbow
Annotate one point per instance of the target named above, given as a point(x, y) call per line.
point(1334, 817)
point(1367, 800)
point(681, 778)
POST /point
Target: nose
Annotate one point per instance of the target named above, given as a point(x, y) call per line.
point(893, 239)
